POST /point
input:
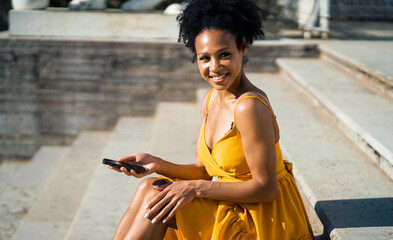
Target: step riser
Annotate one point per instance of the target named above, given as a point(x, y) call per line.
point(176, 125)
point(309, 199)
point(9, 171)
point(59, 200)
point(365, 76)
point(109, 193)
point(82, 80)
point(366, 143)
point(20, 195)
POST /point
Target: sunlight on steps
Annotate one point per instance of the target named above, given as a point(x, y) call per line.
point(335, 130)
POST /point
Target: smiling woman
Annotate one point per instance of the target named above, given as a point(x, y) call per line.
point(256, 196)
point(219, 59)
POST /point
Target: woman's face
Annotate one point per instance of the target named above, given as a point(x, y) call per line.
point(219, 59)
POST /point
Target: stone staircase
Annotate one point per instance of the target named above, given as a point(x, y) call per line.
point(336, 130)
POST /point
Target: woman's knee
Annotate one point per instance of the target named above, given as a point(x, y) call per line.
point(145, 190)
point(146, 184)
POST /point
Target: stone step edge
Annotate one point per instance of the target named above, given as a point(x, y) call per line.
point(74, 227)
point(373, 80)
point(323, 224)
point(163, 116)
point(25, 193)
point(363, 140)
point(47, 185)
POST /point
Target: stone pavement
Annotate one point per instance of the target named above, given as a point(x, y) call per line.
point(343, 30)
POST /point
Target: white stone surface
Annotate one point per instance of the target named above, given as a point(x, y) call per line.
point(21, 193)
point(9, 171)
point(51, 216)
point(140, 4)
point(110, 192)
point(174, 9)
point(30, 4)
point(94, 24)
point(364, 116)
point(87, 4)
point(175, 132)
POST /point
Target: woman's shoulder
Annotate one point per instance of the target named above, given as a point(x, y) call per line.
point(253, 110)
point(252, 103)
point(254, 95)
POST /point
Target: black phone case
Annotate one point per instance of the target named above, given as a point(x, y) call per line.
point(129, 167)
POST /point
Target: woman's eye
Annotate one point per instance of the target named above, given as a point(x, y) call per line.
point(203, 58)
point(225, 54)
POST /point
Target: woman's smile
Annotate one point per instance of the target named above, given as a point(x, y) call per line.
point(219, 78)
point(219, 58)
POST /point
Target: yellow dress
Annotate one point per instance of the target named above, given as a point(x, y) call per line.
point(284, 218)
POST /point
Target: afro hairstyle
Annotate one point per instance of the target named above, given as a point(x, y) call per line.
point(241, 18)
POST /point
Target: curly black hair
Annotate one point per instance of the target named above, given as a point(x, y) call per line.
point(242, 18)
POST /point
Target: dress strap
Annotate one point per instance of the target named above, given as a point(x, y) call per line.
point(208, 100)
point(260, 99)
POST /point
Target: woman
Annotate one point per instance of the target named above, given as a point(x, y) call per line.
point(255, 196)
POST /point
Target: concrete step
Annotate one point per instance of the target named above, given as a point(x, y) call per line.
point(170, 135)
point(9, 171)
point(110, 192)
point(364, 116)
point(19, 194)
point(175, 132)
point(370, 62)
point(51, 215)
point(351, 195)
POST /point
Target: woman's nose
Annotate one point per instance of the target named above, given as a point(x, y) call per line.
point(215, 65)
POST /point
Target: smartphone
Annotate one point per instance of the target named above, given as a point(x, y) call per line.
point(134, 167)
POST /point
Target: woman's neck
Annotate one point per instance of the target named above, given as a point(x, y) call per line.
point(236, 89)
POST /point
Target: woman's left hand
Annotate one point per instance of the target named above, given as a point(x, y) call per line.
point(172, 197)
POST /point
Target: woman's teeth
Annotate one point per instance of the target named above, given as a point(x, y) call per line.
point(219, 77)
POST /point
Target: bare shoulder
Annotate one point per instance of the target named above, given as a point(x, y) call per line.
point(259, 94)
point(252, 108)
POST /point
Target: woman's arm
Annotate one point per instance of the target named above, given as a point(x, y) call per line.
point(254, 122)
point(155, 164)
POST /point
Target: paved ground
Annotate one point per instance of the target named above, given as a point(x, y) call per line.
point(344, 30)
point(368, 43)
point(374, 54)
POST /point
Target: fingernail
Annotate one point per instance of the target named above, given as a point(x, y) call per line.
point(146, 216)
point(164, 221)
point(147, 206)
point(154, 220)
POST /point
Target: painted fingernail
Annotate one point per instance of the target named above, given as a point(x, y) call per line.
point(147, 206)
point(146, 216)
point(164, 221)
point(154, 220)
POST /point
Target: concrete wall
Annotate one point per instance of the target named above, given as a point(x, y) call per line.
point(105, 24)
point(51, 89)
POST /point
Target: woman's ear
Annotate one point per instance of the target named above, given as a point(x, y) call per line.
point(244, 47)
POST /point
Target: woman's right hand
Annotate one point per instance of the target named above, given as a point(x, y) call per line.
point(149, 162)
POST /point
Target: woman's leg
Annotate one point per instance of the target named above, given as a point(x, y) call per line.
point(126, 221)
point(133, 225)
